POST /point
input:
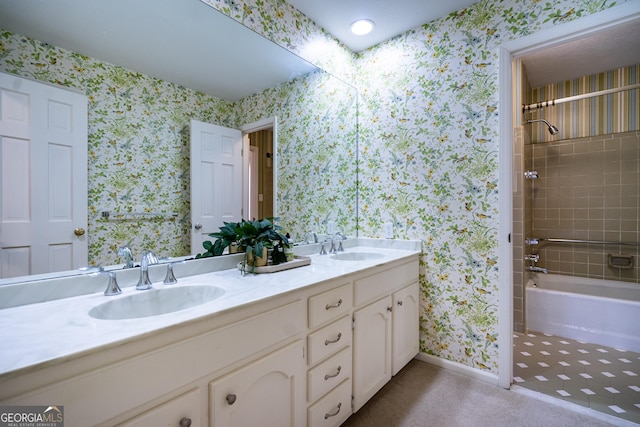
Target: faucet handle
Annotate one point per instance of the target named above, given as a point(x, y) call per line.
point(112, 286)
point(323, 250)
point(170, 278)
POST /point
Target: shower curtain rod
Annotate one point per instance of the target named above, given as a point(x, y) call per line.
point(542, 104)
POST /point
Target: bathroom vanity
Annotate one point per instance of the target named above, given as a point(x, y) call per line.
point(306, 346)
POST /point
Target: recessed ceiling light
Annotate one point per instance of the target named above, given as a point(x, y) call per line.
point(362, 27)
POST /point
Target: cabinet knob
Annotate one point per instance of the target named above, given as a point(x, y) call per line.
point(390, 309)
point(231, 399)
point(185, 422)
point(400, 302)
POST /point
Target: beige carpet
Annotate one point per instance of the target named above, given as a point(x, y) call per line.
point(424, 395)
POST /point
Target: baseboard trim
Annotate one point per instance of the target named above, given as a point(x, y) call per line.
point(477, 374)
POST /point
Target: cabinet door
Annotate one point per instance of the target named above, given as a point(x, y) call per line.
point(183, 411)
point(267, 392)
point(371, 350)
point(405, 326)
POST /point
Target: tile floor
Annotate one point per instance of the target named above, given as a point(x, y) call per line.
point(602, 378)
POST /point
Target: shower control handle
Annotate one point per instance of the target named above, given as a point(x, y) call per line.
point(532, 257)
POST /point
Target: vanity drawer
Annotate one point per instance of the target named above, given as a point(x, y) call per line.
point(329, 340)
point(333, 409)
point(328, 374)
point(376, 285)
point(329, 305)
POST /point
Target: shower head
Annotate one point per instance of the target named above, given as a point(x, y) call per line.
point(552, 129)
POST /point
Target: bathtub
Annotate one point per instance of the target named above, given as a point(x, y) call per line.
point(602, 312)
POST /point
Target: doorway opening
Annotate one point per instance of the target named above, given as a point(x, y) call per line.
point(542, 361)
point(260, 142)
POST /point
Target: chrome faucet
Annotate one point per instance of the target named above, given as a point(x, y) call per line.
point(148, 258)
point(310, 237)
point(112, 286)
point(537, 269)
point(335, 249)
point(124, 251)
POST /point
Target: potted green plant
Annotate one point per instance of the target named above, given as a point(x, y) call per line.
point(228, 236)
point(259, 236)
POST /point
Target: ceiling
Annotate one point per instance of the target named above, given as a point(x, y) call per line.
point(196, 37)
point(608, 49)
point(391, 17)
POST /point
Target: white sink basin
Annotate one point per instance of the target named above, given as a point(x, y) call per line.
point(155, 302)
point(357, 256)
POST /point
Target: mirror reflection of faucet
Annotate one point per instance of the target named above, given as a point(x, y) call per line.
point(337, 248)
point(310, 237)
point(125, 252)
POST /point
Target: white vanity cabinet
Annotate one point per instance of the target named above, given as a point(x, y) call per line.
point(267, 392)
point(329, 357)
point(406, 326)
point(182, 411)
point(307, 356)
point(385, 336)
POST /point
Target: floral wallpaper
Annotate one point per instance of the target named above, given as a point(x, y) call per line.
point(138, 147)
point(427, 131)
point(428, 147)
point(316, 151)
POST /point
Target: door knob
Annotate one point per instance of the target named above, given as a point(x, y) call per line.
point(79, 231)
point(198, 226)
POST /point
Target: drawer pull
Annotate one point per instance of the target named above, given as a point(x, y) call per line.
point(328, 415)
point(185, 422)
point(336, 305)
point(400, 302)
point(327, 342)
point(327, 376)
point(231, 399)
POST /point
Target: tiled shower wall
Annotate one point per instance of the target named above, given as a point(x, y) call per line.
point(589, 179)
point(588, 189)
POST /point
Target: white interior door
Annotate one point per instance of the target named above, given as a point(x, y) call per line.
point(216, 180)
point(43, 167)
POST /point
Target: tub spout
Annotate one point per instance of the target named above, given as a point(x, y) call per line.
point(537, 269)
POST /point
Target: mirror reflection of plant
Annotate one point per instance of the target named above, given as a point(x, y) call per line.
point(253, 236)
point(260, 234)
point(228, 236)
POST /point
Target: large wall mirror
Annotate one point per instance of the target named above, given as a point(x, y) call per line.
point(147, 69)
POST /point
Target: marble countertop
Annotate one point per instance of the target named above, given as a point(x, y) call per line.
point(42, 332)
